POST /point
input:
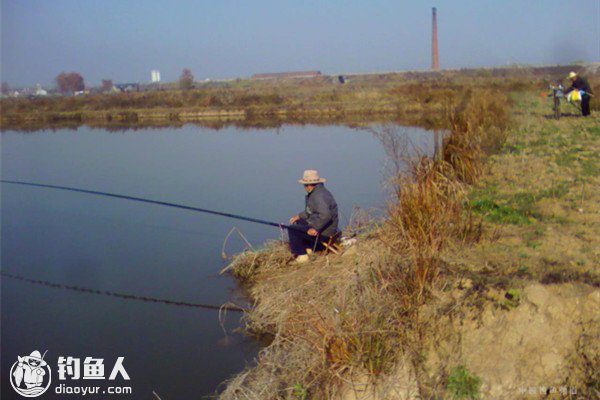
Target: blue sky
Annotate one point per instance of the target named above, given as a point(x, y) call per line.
point(124, 40)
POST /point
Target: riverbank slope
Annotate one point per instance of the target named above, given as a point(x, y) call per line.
point(484, 280)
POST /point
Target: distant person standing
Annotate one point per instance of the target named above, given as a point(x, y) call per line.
point(581, 84)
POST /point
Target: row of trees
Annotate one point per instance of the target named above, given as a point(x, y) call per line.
point(65, 82)
point(69, 82)
point(73, 82)
point(186, 80)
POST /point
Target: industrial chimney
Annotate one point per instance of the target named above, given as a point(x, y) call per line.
point(435, 60)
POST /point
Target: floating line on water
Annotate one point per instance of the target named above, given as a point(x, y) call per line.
point(162, 203)
point(226, 306)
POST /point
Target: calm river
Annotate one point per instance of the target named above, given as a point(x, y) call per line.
point(148, 250)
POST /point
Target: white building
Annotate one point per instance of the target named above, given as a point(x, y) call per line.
point(155, 76)
point(39, 91)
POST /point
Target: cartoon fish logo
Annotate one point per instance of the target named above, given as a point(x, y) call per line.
point(30, 375)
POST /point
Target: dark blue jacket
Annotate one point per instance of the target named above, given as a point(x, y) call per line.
point(580, 84)
point(321, 211)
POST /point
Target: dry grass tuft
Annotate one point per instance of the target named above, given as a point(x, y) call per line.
point(426, 216)
point(340, 316)
point(273, 256)
point(328, 321)
point(479, 126)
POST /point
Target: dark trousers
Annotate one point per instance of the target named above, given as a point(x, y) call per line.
point(300, 240)
point(585, 105)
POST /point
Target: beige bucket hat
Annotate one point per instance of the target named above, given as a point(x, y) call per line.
point(572, 75)
point(311, 177)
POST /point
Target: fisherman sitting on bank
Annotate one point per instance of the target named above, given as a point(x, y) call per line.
point(319, 220)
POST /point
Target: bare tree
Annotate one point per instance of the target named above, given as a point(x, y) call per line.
point(69, 82)
point(5, 88)
point(399, 149)
point(107, 85)
point(186, 80)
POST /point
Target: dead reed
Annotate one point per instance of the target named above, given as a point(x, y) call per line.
point(426, 215)
point(343, 316)
point(479, 126)
point(328, 320)
point(430, 208)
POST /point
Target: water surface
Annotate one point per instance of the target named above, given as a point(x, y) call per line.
point(147, 250)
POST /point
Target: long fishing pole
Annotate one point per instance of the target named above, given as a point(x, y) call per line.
point(227, 306)
point(162, 203)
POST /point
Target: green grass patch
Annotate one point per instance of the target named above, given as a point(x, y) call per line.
point(300, 392)
point(496, 213)
point(512, 299)
point(590, 167)
point(523, 271)
point(542, 141)
point(516, 209)
point(556, 192)
point(502, 209)
point(566, 159)
point(594, 131)
point(462, 384)
point(558, 219)
point(523, 203)
point(515, 148)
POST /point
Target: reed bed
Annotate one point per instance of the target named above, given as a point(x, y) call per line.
point(343, 317)
point(427, 214)
point(328, 321)
point(394, 94)
point(346, 322)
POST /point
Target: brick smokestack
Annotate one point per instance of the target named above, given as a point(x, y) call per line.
point(435, 60)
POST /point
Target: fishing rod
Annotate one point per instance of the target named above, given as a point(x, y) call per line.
point(227, 306)
point(162, 203)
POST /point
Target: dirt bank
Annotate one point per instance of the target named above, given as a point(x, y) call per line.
point(544, 340)
point(543, 347)
point(498, 298)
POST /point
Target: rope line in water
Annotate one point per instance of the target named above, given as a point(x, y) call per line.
point(229, 307)
point(162, 203)
point(226, 306)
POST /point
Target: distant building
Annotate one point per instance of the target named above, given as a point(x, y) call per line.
point(281, 75)
point(127, 87)
point(31, 92)
point(39, 91)
point(155, 76)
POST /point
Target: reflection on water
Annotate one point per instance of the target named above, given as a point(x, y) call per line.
point(240, 122)
point(155, 252)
